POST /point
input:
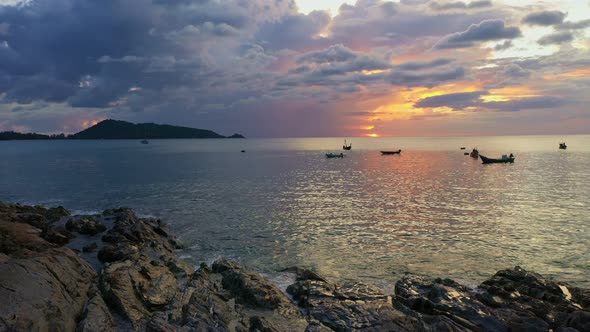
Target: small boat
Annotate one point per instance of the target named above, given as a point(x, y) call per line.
point(562, 146)
point(334, 155)
point(503, 160)
point(391, 152)
point(466, 153)
point(462, 148)
point(474, 153)
point(346, 147)
point(144, 141)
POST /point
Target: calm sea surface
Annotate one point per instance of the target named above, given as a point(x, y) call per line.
point(430, 210)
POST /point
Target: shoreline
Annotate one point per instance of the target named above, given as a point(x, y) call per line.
point(117, 271)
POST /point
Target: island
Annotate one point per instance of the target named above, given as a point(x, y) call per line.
point(116, 271)
point(117, 129)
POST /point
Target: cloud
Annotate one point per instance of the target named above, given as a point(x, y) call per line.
point(418, 65)
point(503, 46)
point(515, 71)
point(462, 100)
point(574, 25)
point(544, 18)
point(437, 6)
point(556, 38)
point(456, 101)
point(487, 30)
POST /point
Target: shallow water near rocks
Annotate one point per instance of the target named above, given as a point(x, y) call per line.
point(430, 210)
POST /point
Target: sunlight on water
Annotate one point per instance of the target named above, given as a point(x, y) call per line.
point(430, 210)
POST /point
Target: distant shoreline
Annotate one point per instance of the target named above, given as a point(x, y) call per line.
point(115, 129)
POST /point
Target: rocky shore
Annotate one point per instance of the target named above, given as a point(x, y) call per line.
point(118, 272)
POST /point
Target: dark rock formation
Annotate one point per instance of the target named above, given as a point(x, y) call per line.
point(512, 300)
point(85, 225)
point(348, 307)
point(129, 278)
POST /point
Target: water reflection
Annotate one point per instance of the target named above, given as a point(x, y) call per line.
point(429, 210)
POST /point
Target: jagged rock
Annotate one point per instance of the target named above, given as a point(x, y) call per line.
point(85, 225)
point(512, 300)
point(251, 288)
point(96, 316)
point(352, 306)
point(41, 287)
point(447, 298)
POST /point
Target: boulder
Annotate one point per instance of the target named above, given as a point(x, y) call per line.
point(85, 225)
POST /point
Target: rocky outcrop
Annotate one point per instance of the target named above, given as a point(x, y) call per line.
point(115, 271)
point(512, 300)
point(348, 307)
point(85, 225)
point(42, 286)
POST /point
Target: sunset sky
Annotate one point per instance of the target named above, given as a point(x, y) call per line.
point(281, 68)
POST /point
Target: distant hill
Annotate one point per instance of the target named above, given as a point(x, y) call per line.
point(115, 129)
point(12, 135)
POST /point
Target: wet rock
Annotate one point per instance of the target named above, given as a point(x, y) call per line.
point(90, 247)
point(85, 225)
point(351, 306)
point(96, 316)
point(251, 288)
point(512, 300)
point(58, 236)
point(447, 298)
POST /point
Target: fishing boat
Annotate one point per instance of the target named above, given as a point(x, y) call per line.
point(391, 152)
point(466, 153)
point(562, 146)
point(346, 147)
point(144, 141)
point(334, 155)
point(474, 153)
point(462, 148)
point(503, 160)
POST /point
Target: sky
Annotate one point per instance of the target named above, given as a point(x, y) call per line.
point(307, 68)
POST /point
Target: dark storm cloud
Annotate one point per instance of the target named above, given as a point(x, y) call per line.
point(531, 103)
point(438, 6)
point(545, 18)
point(487, 30)
point(556, 38)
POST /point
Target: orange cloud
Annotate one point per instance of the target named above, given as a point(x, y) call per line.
point(582, 72)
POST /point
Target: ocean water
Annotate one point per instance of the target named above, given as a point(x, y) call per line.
point(430, 210)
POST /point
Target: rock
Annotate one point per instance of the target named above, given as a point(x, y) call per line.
point(579, 320)
point(512, 300)
point(252, 289)
point(90, 247)
point(85, 225)
point(446, 298)
point(41, 287)
point(351, 306)
point(58, 236)
point(96, 316)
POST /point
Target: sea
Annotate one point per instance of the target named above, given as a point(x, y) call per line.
point(430, 210)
